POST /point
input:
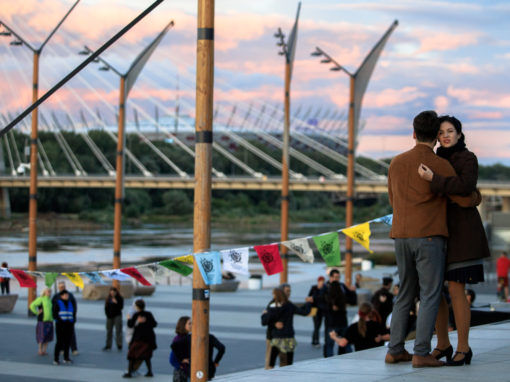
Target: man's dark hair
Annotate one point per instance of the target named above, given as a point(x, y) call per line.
point(387, 281)
point(426, 126)
point(140, 304)
point(333, 272)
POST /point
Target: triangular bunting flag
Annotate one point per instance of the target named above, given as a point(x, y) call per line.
point(115, 274)
point(188, 259)
point(269, 256)
point(134, 273)
point(75, 279)
point(94, 277)
point(157, 270)
point(4, 272)
point(329, 248)
point(209, 265)
point(25, 281)
point(236, 260)
point(177, 267)
point(300, 247)
point(49, 278)
point(360, 233)
point(388, 220)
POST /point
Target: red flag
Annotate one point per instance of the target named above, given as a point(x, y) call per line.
point(24, 280)
point(133, 272)
point(269, 256)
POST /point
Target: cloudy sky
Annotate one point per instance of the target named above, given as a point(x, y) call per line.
point(451, 56)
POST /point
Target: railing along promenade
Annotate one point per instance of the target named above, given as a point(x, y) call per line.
point(374, 186)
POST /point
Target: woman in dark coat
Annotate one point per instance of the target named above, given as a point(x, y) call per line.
point(113, 306)
point(143, 342)
point(281, 314)
point(467, 243)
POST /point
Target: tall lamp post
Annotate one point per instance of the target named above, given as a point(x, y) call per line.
point(127, 80)
point(32, 204)
point(357, 85)
point(288, 49)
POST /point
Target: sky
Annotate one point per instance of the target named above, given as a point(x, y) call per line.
point(450, 56)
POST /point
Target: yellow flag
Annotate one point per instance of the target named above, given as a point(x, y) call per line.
point(360, 233)
point(188, 259)
point(75, 279)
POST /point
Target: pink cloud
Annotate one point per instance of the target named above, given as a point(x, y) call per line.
point(441, 104)
point(392, 97)
point(477, 114)
point(483, 98)
point(387, 123)
point(431, 41)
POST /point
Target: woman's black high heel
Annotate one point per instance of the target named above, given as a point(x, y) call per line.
point(445, 353)
point(466, 360)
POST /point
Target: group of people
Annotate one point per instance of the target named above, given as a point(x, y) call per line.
point(438, 235)
point(62, 309)
point(58, 314)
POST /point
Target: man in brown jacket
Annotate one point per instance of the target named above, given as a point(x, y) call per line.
point(419, 229)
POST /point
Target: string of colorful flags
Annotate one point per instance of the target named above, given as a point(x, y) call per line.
point(209, 263)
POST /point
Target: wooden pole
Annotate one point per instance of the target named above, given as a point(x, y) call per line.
point(202, 203)
point(350, 184)
point(285, 178)
point(119, 180)
point(32, 204)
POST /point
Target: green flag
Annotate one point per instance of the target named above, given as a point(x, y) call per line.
point(177, 267)
point(329, 248)
point(49, 278)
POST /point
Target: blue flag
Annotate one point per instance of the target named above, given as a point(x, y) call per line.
point(388, 219)
point(210, 267)
point(94, 277)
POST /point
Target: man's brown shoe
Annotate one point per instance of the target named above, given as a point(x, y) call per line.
point(400, 357)
point(426, 361)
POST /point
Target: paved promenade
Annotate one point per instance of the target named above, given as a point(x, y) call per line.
point(235, 320)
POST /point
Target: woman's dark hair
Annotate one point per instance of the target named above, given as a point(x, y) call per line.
point(4, 265)
point(455, 123)
point(426, 126)
point(140, 304)
point(336, 296)
point(117, 293)
point(180, 328)
point(364, 311)
point(279, 296)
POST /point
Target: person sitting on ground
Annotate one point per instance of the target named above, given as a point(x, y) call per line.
point(364, 334)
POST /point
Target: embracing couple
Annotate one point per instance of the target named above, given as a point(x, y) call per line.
point(438, 236)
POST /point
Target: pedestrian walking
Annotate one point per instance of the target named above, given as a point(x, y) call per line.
point(65, 317)
point(143, 342)
point(316, 298)
point(113, 306)
point(502, 267)
point(42, 308)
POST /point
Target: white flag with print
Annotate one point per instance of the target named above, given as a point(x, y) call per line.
point(301, 248)
point(236, 260)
